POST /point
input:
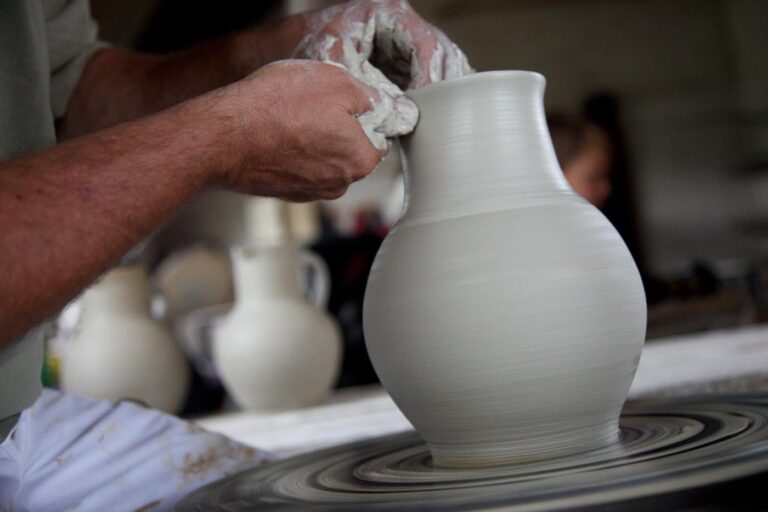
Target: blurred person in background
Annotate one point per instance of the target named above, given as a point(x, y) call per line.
point(100, 146)
point(585, 155)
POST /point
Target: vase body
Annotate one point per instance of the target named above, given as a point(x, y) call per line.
point(120, 351)
point(503, 313)
point(275, 350)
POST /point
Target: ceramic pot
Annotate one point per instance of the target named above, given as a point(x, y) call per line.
point(275, 350)
point(120, 351)
point(504, 314)
point(194, 278)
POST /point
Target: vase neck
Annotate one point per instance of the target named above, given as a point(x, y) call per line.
point(268, 273)
point(481, 144)
point(122, 291)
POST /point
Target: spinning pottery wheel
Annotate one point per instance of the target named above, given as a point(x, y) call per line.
point(708, 453)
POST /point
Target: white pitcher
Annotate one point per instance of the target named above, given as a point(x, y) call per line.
point(120, 351)
point(276, 350)
point(504, 314)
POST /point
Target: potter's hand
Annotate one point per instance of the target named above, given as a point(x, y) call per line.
point(387, 45)
point(411, 52)
point(295, 132)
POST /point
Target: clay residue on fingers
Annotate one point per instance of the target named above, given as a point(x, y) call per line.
point(392, 113)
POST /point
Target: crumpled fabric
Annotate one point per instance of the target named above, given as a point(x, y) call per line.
point(70, 452)
point(409, 52)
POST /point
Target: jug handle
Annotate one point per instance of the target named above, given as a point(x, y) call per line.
point(322, 280)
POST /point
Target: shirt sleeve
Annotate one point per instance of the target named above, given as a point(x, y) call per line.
point(72, 40)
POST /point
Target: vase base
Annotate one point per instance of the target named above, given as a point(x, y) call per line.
point(555, 446)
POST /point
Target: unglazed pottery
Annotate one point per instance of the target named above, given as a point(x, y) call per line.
point(120, 351)
point(194, 278)
point(504, 314)
point(304, 222)
point(276, 350)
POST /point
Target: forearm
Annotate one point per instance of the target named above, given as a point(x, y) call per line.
point(119, 85)
point(68, 213)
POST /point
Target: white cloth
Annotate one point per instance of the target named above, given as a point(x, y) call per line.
point(73, 453)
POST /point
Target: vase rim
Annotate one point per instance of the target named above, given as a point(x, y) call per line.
point(482, 76)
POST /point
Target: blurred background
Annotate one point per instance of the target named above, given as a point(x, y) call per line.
point(659, 112)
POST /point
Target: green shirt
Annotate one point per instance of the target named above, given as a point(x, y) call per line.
point(44, 46)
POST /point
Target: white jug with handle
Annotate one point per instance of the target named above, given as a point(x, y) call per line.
point(504, 314)
point(120, 351)
point(275, 349)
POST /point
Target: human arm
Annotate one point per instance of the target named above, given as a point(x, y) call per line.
point(390, 34)
point(68, 213)
point(118, 85)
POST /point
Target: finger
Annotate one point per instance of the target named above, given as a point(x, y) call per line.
point(363, 97)
point(435, 57)
point(455, 63)
point(324, 46)
point(426, 62)
point(405, 117)
point(390, 117)
point(371, 159)
point(334, 53)
point(364, 45)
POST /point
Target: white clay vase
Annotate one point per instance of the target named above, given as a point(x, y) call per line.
point(275, 350)
point(504, 314)
point(120, 351)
